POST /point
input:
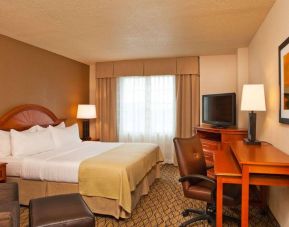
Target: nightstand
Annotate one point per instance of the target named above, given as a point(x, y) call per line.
point(3, 172)
point(95, 140)
point(90, 139)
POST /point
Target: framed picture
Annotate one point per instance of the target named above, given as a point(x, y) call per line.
point(284, 82)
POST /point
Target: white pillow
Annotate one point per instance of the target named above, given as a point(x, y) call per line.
point(32, 129)
point(29, 143)
point(40, 128)
point(5, 147)
point(5, 141)
point(64, 136)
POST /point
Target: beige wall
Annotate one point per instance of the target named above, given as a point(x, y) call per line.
point(263, 68)
point(218, 74)
point(32, 75)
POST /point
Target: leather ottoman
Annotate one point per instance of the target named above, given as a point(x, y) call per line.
point(60, 210)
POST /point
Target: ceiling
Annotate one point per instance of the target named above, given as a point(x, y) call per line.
point(106, 30)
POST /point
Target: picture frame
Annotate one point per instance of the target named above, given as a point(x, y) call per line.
point(284, 82)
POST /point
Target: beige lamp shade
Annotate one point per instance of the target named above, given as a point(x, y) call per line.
point(253, 98)
point(85, 111)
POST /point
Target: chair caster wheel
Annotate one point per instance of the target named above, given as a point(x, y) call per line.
point(264, 211)
point(185, 213)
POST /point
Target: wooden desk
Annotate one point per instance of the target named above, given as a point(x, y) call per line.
point(227, 170)
point(262, 165)
point(249, 164)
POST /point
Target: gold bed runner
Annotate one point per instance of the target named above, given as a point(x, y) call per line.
point(115, 174)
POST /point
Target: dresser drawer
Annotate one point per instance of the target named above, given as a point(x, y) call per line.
point(209, 148)
point(209, 156)
point(210, 145)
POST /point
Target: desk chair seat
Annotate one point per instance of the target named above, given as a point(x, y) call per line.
point(197, 185)
point(203, 191)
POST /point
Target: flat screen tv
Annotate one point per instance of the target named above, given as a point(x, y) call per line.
point(219, 110)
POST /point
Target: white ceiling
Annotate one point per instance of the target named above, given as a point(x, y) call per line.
point(106, 30)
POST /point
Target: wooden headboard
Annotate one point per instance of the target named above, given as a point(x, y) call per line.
point(24, 116)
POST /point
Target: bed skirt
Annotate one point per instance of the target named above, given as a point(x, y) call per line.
point(30, 189)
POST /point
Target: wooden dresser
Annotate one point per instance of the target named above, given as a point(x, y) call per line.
point(214, 139)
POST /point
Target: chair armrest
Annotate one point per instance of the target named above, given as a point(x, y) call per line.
point(198, 177)
point(8, 192)
point(209, 167)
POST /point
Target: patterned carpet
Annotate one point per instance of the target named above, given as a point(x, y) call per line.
point(162, 207)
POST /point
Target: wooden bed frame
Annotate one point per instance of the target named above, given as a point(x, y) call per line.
point(25, 116)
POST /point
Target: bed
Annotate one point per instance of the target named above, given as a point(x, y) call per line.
point(111, 177)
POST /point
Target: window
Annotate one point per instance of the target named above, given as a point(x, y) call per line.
point(146, 111)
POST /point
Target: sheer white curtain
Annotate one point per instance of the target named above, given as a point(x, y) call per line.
point(147, 111)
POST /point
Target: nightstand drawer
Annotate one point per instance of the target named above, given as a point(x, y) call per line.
point(2, 172)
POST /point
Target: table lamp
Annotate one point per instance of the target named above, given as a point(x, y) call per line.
point(253, 99)
point(86, 112)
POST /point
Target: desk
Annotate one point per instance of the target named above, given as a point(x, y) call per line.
point(249, 164)
point(227, 170)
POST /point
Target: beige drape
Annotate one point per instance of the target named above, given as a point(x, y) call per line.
point(106, 109)
point(148, 67)
point(188, 104)
point(187, 88)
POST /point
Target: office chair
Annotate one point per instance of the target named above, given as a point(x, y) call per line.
point(197, 185)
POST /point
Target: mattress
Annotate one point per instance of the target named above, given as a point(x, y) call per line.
point(13, 167)
point(62, 165)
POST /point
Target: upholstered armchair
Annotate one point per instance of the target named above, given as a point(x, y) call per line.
point(9, 205)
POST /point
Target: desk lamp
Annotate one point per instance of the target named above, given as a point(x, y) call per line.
point(86, 112)
point(253, 99)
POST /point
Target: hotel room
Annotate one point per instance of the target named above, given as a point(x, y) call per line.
point(144, 113)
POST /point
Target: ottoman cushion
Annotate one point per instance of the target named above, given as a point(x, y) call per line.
point(60, 210)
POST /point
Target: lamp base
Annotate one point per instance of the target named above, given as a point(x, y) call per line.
point(250, 142)
point(85, 128)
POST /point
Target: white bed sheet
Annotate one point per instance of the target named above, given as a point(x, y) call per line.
point(13, 167)
point(61, 165)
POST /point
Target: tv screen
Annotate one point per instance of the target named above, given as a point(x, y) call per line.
point(219, 109)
